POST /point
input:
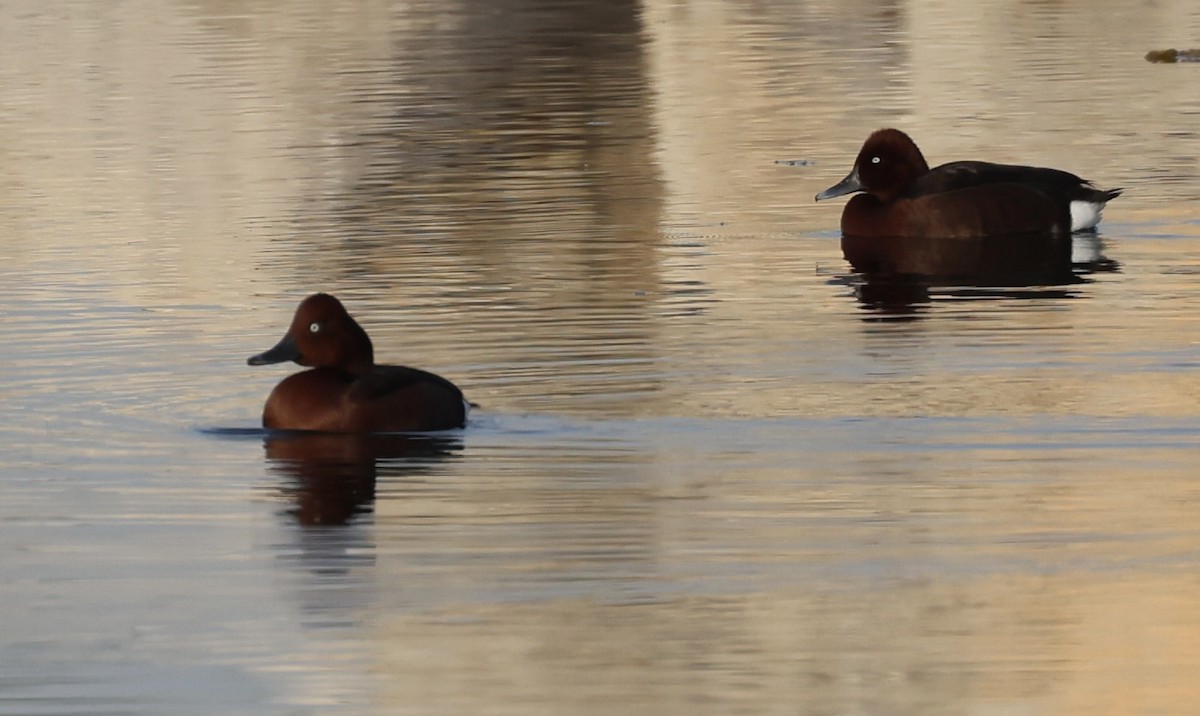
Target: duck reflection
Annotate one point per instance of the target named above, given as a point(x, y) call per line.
point(331, 477)
point(898, 277)
point(1004, 260)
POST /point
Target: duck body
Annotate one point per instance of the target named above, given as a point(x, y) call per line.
point(388, 398)
point(344, 390)
point(902, 197)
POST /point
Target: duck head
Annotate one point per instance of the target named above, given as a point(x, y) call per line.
point(322, 335)
point(888, 163)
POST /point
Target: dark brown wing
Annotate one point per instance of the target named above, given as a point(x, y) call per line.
point(1055, 183)
point(392, 398)
point(383, 380)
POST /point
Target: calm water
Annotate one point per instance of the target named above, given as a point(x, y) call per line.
point(709, 473)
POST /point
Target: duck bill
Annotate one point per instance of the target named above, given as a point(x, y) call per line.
point(849, 185)
point(285, 350)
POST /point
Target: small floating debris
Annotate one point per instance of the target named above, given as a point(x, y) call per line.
point(794, 162)
point(1173, 55)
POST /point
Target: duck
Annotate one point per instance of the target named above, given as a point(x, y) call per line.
point(344, 390)
point(902, 197)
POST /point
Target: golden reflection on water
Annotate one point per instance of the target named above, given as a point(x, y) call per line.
point(706, 475)
point(914, 581)
point(1027, 644)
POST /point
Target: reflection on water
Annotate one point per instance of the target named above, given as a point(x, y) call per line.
point(1003, 260)
point(331, 477)
point(900, 276)
point(716, 469)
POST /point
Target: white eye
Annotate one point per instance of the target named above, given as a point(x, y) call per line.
point(875, 160)
point(314, 327)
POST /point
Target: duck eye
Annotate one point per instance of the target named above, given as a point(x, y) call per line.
point(314, 327)
point(875, 160)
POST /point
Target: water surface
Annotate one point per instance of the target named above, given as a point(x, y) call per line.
point(709, 473)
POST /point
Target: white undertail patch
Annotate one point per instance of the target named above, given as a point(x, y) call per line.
point(1085, 214)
